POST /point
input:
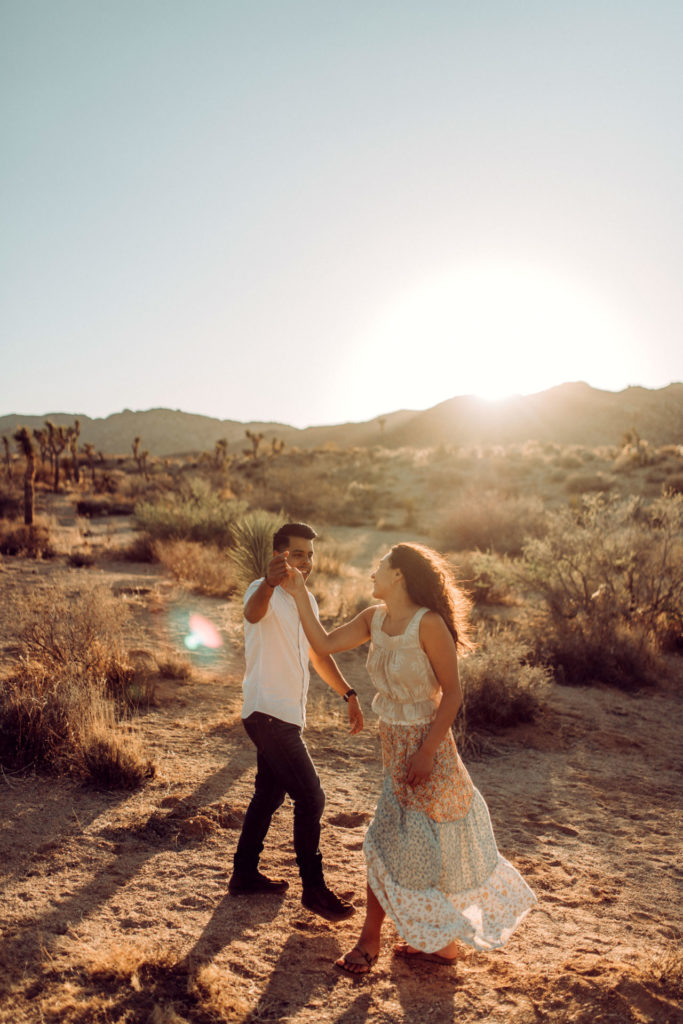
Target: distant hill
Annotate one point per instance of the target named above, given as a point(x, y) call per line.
point(568, 414)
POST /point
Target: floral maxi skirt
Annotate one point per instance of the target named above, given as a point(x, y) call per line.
point(431, 854)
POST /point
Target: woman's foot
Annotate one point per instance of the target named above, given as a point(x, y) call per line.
point(357, 961)
point(447, 955)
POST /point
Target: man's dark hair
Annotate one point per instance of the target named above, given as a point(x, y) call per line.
point(281, 537)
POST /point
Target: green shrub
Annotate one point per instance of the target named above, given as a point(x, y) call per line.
point(607, 589)
point(196, 513)
point(501, 687)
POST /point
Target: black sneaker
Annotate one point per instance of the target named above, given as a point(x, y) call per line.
point(322, 901)
point(252, 885)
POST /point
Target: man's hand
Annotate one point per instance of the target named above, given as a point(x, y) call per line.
point(277, 569)
point(355, 716)
point(420, 767)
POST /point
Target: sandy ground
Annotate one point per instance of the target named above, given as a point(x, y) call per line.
point(114, 907)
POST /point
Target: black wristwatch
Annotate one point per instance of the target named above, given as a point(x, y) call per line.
point(349, 693)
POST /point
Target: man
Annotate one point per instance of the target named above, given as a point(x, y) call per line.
point(275, 688)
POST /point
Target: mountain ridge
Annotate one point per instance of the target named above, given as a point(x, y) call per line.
point(570, 413)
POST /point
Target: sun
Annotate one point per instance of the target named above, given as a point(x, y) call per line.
point(492, 330)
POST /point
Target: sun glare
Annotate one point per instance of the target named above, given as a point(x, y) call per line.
point(493, 331)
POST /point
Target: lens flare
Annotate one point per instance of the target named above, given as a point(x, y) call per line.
point(202, 633)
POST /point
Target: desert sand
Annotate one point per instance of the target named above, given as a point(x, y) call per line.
point(115, 904)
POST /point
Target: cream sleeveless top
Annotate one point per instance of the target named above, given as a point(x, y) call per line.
point(407, 689)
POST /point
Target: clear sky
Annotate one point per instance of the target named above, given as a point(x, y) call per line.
point(314, 211)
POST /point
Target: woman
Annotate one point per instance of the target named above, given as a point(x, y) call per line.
point(432, 860)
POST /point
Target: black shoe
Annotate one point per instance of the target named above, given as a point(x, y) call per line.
point(251, 885)
point(322, 901)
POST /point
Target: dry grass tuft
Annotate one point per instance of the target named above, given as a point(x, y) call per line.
point(206, 569)
point(60, 703)
point(666, 969)
point(115, 759)
point(490, 521)
point(30, 541)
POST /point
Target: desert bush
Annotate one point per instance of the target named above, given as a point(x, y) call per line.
point(485, 577)
point(59, 719)
point(82, 558)
point(597, 649)
point(585, 483)
point(488, 520)
point(501, 686)
point(31, 541)
point(674, 483)
point(140, 549)
point(104, 505)
point(606, 588)
point(11, 501)
point(85, 629)
point(567, 460)
point(72, 680)
point(204, 567)
point(633, 456)
point(195, 513)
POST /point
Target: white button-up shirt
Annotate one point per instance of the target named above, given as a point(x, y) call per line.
point(276, 651)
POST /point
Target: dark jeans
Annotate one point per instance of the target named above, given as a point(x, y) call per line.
point(283, 766)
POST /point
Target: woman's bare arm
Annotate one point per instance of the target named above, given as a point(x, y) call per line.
point(343, 638)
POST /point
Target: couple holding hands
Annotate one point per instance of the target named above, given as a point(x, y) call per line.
point(432, 861)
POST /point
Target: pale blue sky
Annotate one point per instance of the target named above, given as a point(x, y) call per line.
point(317, 211)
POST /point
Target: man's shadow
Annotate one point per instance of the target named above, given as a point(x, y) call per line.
point(160, 832)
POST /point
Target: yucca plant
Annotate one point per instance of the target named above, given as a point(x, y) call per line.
point(253, 544)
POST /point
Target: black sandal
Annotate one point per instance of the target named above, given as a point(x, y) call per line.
point(344, 964)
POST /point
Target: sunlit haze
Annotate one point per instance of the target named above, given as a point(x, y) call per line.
point(311, 212)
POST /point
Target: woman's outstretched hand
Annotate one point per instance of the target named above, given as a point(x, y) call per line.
point(420, 768)
point(293, 582)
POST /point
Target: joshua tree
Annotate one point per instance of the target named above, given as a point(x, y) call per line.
point(255, 441)
point(220, 453)
point(90, 456)
point(27, 448)
point(40, 436)
point(75, 433)
point(8, 457)
point(57, 441)
point(382, 424)
point(140, 458)
point(277, 446)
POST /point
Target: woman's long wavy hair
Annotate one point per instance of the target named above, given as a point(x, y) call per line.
point(430, 583)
